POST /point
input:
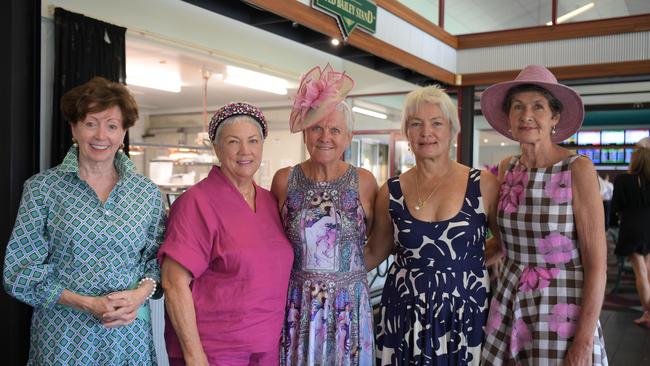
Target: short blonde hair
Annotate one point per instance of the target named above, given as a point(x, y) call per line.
point(435, 95)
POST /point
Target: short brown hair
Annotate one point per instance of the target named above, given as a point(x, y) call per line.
point(554, 103)
point(98, 95)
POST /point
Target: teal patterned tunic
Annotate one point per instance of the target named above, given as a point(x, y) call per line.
point(66, 238)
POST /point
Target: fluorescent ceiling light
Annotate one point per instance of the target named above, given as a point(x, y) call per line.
point(335, 42)
point(153, 77)
point(368, 112)
point(572, 14)
point(255, 80)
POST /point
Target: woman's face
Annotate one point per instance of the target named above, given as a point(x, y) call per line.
point(531, 117)
point(429, 132)
point(327, 140)
point(99, 135)
point(239, 149)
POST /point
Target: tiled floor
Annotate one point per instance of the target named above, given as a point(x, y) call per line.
point(626, 344)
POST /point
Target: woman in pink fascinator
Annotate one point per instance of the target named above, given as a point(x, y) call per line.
point(326, 207)
point(550, 290)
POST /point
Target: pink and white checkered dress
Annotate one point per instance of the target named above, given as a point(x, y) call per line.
point(535, 308)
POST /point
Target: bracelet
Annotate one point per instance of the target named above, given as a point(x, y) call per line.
point(155, 284)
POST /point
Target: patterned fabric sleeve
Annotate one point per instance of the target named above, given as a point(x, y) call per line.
point(155, 237)
point(27, 275)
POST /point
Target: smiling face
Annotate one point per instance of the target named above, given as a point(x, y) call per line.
point(99, 135)
point(239, 149)
point(531, 117)
point(327, 140)
point(429, 131)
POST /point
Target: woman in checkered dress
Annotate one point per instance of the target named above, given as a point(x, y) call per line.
point(550, 290)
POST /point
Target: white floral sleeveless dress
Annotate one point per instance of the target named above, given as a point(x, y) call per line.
point(536, 306)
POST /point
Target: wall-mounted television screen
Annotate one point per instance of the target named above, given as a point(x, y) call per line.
point(633, 136)
point(572, 140)
point(612, 137)
point(628, 155)
point(587, 152)
point(612, 156)
point(595, 156)
point(588, 137)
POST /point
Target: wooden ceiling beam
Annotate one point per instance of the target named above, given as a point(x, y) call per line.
point(565, 72)
point(313, 19)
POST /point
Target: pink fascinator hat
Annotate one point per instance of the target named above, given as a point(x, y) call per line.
point(572, 114)
point(319, 93)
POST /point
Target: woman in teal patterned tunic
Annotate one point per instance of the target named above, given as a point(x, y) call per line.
point(83, 248)
point(326, 206)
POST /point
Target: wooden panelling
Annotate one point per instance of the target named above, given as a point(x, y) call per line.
point(566, 72)
point(313, 19)
point(561, 31)
point(409, 16)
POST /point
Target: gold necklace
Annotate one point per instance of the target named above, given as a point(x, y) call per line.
point(247, 194)
point(420, 203)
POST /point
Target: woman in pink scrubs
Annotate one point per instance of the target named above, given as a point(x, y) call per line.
point(225, 259)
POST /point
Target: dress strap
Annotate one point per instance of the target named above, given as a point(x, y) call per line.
point(474, 184)
point(512, 162)
point(292, 183)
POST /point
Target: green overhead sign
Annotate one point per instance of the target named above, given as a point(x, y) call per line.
point(350, 14)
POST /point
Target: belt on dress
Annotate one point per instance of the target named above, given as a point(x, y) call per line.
point(332, 278)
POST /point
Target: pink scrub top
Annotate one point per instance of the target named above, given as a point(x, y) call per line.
point(240, 261)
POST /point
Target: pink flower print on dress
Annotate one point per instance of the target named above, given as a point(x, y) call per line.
point(563, 319)
point(536, 278)
point(512, 189)
point(558, 189)
point(556, 248)
point(495, 318)
point(520, 337)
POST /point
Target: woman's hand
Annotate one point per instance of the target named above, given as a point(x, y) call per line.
point(126, 304)
point(97, 306)
point(579, 354)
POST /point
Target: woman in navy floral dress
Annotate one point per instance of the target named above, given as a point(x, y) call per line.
point(434, 219)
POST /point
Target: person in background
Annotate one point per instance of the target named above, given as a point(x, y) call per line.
point(606, 192)
point(83, 248)
point(552, 283)
point(631, 202)
point(434, 219)
point(225, 258)
point(326, 207)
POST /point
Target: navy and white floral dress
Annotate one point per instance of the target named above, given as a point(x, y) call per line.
point(434, 304)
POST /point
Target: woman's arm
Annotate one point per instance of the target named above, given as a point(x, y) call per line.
point(489, 193)
point(367, 195)
point(28, 275)
point(380, 243)
point(180, 309)
point(590, 226)
point(280, 184)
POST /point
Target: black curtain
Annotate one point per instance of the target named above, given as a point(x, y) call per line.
point(84, 48)
point(20, 37)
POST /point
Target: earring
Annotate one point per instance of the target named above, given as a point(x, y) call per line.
point(122, 147)
point(74, 142)
point(553, 130)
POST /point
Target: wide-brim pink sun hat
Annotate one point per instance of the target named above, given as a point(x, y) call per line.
point(573, 110)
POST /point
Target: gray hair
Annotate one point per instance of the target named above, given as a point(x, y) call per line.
point(347, 114)
point(435, 95)
point(233, 120)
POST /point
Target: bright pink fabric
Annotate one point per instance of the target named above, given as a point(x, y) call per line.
point(240, 260)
